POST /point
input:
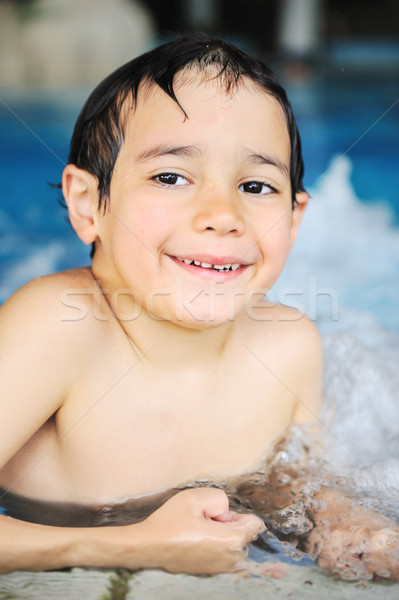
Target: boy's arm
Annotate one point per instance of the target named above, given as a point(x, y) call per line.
point(34, 364)
point(194, 532)
point(351, 539)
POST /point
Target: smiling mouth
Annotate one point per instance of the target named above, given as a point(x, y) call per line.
point(220, 268)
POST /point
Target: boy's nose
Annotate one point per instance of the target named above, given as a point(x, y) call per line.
point(219, 214)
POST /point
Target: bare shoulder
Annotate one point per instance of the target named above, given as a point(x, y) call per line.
point(49, 287)
point(38, 312)
point(283, 326)
point(288, 342)
point(46, 290)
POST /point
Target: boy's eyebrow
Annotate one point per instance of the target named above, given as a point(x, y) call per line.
point(267, 159)
point(163, 149)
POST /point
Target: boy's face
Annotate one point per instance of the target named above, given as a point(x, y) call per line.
point(213, 188)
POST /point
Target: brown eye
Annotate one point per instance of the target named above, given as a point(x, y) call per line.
point(170, 179)
point(257, 187)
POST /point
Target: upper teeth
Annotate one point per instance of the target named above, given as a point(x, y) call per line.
point(197, 263)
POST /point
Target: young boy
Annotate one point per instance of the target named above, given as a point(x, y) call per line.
point(162, 365)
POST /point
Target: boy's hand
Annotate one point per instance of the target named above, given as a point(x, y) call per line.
point(360, 552)
point(195, 532)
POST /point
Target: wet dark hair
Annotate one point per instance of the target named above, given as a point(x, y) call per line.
point(99, 130)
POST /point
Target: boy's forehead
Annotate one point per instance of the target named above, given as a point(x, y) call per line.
point(193, 88)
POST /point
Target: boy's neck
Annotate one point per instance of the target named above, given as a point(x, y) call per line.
point(166, 345)
point(172, 347)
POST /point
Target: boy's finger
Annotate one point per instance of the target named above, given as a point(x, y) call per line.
point(249, 523)
point(214, 504)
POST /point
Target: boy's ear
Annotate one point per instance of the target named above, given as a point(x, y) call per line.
point(80, 192)
point(302, 199)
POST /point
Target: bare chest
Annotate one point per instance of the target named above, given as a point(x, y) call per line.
point(141, 437)
point(120, 435)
